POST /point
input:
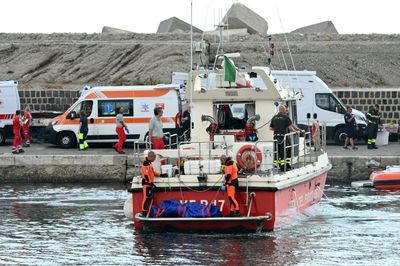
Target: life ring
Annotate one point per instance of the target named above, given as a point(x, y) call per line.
point(249, 157)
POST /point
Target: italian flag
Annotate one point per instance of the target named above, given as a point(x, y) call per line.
point(232, 75)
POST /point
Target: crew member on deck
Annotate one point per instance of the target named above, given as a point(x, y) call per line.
point(148, 175)
point(231, 183)
point(373, 117)
point(156, 135)
point(281, 125)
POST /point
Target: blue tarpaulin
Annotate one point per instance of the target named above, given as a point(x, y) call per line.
point(173, 208)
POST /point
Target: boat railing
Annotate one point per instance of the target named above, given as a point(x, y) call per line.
point(259, 167)
point(298, 154)
point(137, 153)
point(172, 141)
point(295, 153)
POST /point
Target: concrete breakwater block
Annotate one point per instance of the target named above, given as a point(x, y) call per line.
point(63, 168)
point(351, 168)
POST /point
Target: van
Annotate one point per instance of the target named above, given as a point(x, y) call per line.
point(318, 100)
point(9, 103)
point(181, 79)
point(100, 104)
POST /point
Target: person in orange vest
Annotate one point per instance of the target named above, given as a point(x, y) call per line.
point(27, 120)
point(231, 183)
point(148, 175)
point(17, 144)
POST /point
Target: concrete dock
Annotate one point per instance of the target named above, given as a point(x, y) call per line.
point(46, 163)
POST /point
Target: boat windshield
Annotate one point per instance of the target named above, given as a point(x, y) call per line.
point(233, 115)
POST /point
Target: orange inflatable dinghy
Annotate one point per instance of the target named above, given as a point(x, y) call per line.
point(387, 179)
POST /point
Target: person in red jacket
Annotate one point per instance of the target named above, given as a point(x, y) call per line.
point(26, 121)
point(120, 130)
point(17, 144)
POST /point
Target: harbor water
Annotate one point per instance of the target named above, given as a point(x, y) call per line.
point(85, 225)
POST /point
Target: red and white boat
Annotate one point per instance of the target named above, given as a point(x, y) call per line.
point(266, 196)
point(388, 179)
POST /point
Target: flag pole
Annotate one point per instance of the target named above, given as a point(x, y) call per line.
point(191, 66)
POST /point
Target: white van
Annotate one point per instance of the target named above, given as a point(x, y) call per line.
point(100, 103)
point(320, 101)
point(181, 79)
point(9, 103)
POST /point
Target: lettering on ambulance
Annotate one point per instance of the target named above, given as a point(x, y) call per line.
point(160, 105)
point(221, 203)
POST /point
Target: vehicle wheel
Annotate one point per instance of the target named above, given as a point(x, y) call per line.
point(67, 140)
point(2, 137)
point(340, 136)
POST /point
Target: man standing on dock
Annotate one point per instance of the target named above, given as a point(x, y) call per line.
point(83, 131)
point(350, 126)
point(231, 183)
point(373, 117)
point(120, 130)
point(26, 125)
point(17, 144)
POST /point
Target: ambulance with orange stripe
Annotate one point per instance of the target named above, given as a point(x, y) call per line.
point(100, 104)
point(9, 103)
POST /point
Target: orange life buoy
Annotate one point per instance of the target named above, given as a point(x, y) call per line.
point(249, 157)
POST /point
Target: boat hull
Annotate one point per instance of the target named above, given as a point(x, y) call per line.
point(280, 203)
point(386, 180)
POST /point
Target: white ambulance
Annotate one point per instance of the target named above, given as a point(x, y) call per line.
point(319, 100)
point(100, 104)
point(9, 103)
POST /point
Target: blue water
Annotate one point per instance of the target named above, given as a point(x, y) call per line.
point(71, 225)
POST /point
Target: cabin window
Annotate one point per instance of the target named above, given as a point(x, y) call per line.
point(328, 102)
point(233, 116)
point(109, 107)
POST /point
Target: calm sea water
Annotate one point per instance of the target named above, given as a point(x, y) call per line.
point(79, 225)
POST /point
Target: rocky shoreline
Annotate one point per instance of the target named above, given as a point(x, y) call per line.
point(63, 60)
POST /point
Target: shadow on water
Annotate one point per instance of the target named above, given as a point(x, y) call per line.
point(85, 224)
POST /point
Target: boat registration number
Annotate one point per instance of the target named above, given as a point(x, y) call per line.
point(217, 203)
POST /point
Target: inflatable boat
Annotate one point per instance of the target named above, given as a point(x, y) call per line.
point(388, 179)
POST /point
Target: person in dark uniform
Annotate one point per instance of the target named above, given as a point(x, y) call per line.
point(373, 117)
point(186, 123)
point(281, 125)
point(350, 126)
point(83, 131)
